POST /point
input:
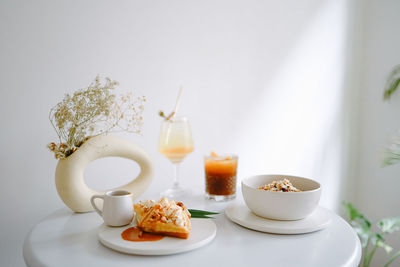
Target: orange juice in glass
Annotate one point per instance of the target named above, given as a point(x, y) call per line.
point(175, 143)
point(220, 172)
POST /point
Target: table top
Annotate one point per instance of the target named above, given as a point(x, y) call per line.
point(65, 238)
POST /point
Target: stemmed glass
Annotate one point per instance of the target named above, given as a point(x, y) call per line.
point(175, 142)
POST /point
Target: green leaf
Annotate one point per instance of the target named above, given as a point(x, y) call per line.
point(389, 225)
point(392, 83)
point(392, 153)
point(201, 213)
point(385, 246)
point(375, 238)
point(360, 224)
point(378, 241)
point(356, 215)
point(362, 231)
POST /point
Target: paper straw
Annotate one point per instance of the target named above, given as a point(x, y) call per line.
point(178, 100)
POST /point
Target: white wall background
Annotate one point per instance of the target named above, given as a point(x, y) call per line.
point(377, 195)
point(273, 81)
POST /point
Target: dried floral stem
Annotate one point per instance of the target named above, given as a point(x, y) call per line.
point(93, 111)
point(173, 113)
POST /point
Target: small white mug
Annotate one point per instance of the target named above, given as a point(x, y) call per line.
point(117, 207)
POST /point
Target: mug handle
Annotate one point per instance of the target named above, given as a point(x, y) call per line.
point(94, 204)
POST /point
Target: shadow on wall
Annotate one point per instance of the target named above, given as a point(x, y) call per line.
point(294, 126)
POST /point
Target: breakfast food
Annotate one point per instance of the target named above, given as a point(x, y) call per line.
point(164, 217)
point(280, 186)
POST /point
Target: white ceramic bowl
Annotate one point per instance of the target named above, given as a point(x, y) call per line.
point(281, 205)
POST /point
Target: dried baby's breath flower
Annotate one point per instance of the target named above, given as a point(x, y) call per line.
point(93, 111)
point(162, 115)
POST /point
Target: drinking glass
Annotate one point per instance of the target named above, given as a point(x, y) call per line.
point(175, 142)
point(220, 174)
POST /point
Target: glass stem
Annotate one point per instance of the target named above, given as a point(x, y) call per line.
point(176, 175)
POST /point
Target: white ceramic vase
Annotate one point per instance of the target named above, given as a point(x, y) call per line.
point(70, 182)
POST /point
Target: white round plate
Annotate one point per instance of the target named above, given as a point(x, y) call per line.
point(241, 214)
point(203, 232)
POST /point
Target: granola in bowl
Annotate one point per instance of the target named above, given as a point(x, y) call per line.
point(280, 186)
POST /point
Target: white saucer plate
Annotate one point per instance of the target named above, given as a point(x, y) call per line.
point(203, 232)
point(242, 215)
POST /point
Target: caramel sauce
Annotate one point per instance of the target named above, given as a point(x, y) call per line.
point(136, 235)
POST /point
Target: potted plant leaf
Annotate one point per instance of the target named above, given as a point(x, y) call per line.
point(372, 240)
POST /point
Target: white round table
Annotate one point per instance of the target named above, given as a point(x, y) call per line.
point(68, 239)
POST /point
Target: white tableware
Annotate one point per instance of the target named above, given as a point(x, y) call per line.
point(70, 182)
point(117, 207)
point(281, 205)
point(203, 232)
point(242, 215)
point(175, 143)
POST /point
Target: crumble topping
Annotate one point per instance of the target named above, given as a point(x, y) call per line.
point(167, 210)
point(280, 186)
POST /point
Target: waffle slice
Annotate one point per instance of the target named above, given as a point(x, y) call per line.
point(164, 217)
